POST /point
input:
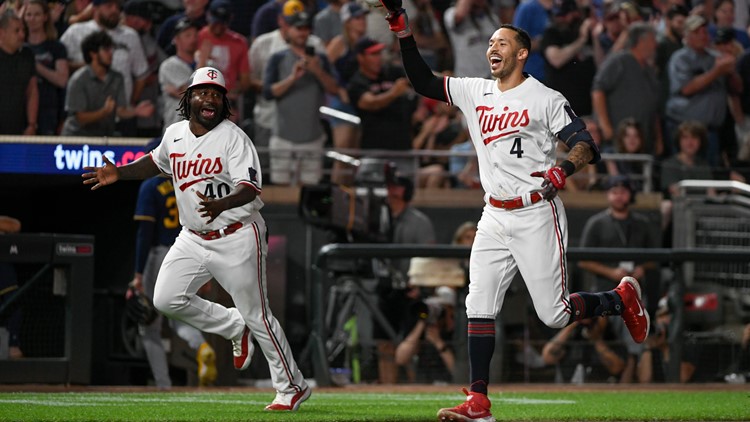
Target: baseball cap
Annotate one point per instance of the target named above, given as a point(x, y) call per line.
point(138, 8)
point(292, 7)
point(220, 11)
point(183, 24)
point(724, 35)
point(295, 15)
point(619, 180)
point(694, 22)
point(352, 10)
point(563, 7)
point(100, 2)
point(367, 45)
point(207, 76)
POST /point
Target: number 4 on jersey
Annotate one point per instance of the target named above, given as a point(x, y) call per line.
point(516, 148)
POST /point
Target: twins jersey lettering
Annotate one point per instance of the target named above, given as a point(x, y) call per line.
point(213, 165)
point(510, 130)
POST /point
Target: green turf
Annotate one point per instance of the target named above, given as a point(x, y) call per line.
point(356, 406)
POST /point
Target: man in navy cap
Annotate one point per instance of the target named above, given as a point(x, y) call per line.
point(226, 50)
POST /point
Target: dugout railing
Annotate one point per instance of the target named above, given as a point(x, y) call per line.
point(332, 255)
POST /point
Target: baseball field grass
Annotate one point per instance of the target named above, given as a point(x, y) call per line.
point(561, 403)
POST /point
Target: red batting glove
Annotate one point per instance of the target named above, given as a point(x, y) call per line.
point(398, 22)
point(554, 180)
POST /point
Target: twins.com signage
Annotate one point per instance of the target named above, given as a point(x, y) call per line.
point(43, 158)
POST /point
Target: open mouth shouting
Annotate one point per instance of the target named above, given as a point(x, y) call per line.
point(208, 113)
point(495, 62)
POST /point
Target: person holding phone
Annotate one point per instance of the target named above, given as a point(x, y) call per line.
point(297, 78)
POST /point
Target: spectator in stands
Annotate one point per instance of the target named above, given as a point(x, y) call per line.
point(743, 124)
point(129, 59)
point(725, 44)
point(51, 66)
point(429, 322)
point(724, 19)
point(688, 163)
point(77, 11)
point(656, 354)
point(175, 71)
point(628, 13)
point(619, 227)
point(96, 92)
point(628, 140)
point(570, 350)
point(699, 85)
point(262, 48)
point(265, 18)
point(439, 132)
point(298, 78)
point(226, 50)
point(19, 104)
point(566, 46)
point(194, 10)
point(469, 24)
point(328, 22)
point(139, 16)
point(8, 287)
point(409, 226)
point(668, 41)
point(533, 16)
point(621, 74)
point(341, 54)
point(385, 102)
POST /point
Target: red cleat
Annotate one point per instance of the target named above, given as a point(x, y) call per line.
point(242, 349)
point(289, 402)
point(634, 314)
point(476, 408)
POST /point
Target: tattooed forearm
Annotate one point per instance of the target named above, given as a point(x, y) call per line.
point(580, 155)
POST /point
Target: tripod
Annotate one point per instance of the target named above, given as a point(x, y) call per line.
point(349, 294)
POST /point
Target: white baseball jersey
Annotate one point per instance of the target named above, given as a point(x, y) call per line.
point(513, 132)
point(213, 165)
point(514, 135)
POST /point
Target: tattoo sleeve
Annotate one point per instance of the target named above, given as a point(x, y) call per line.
point(580, 155)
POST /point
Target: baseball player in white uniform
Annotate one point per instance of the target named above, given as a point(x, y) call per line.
point(217, 179)
point(515, 123)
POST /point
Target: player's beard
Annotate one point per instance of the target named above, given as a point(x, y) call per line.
point(110, 22)
point(208, 123)
point(509, 66)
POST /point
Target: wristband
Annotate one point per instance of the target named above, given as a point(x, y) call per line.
point(568, 167)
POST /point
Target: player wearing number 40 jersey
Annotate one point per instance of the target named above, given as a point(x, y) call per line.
point(515, 124)
point(217, 181)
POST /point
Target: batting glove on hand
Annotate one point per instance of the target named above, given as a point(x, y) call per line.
point(398, 22)
point(554, 180)
point(391, 5)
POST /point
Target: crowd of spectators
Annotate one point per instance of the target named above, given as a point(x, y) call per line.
point(630, 68)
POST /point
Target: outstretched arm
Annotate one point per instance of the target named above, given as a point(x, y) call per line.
point(109, 173)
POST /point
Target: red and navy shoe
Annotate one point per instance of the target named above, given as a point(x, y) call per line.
point(634, 314)
point(476, 408)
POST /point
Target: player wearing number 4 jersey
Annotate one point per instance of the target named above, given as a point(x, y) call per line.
point(515, 124)
point(217, 180)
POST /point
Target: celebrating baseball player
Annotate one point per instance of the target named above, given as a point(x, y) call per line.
point(217, 179)
point(515, 123)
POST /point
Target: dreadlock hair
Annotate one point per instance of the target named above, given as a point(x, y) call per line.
point(184, 106)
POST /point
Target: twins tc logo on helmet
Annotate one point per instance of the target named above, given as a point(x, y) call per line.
point(212, 73)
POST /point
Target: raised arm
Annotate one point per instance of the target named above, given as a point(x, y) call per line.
point(419, 73)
